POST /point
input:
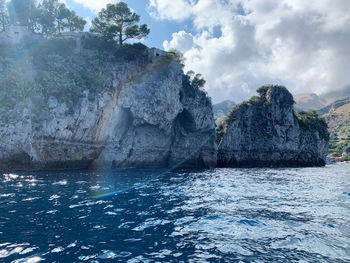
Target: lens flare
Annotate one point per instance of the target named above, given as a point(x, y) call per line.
point(163, 174)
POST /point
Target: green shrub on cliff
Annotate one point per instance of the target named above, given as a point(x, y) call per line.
point(192, 82)
point(102, 45)
point(220, 131)
point(51, 68)
point(337, 149)
point(193, 85)
point(311, 121)
point(13, 88)
point(66, 78)
point(308, 121)
point(62, 46)
point(262, 90)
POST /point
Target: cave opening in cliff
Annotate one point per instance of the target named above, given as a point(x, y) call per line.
point(185, 121)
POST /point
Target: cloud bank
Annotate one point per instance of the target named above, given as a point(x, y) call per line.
point(239, 45)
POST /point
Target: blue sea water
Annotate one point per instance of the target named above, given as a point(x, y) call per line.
point(220, 215)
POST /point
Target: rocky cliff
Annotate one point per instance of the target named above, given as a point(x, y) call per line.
point(80, 102)
point(266, 131)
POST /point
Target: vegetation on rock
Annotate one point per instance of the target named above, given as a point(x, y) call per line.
point(49, 17)
point(311, 121)
point(117, 22)
point(192, 83)
point(338, 119)
point(3, 15)
point(266, 131)
point(58, 72)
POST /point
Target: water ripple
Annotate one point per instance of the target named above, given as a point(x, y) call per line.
point(221, 215)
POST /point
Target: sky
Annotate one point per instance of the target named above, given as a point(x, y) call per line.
point(240, 45)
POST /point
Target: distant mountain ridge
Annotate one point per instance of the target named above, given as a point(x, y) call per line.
point(334, 107)
point(312, 101)
point(222, 109)
point(309, 101)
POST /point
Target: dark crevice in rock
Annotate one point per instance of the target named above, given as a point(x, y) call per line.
point(185, 122)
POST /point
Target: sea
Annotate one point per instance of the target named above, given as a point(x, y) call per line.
point(216, 215)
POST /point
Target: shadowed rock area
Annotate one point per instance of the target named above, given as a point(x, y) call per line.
point(266, 131)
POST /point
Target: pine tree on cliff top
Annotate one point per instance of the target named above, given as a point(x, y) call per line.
point(117, 22)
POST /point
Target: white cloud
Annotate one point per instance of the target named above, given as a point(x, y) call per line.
point(88, 22)
point(181, 41)
point(172, 10)
point(240, 45)
point(94, 5)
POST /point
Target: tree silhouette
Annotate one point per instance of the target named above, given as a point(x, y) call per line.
point(117, 22)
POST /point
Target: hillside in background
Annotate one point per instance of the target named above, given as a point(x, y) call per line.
point(337, 116)
point(335, 108)
point(222, 109)
point(308, 101)
point(312, 101)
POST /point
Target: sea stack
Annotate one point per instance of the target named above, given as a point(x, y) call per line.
point(266, 131)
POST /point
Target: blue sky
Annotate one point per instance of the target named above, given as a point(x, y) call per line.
point(240, 45)
point(160, 29)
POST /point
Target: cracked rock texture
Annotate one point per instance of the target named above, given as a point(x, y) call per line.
point(267, 132)
point(141, 117)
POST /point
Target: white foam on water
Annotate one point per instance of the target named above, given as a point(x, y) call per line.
point(63, 182)
point(57, 250)
point(107, 254)
point(54, 197)
point(28, 260)
point(74, 244)
point(30, 199)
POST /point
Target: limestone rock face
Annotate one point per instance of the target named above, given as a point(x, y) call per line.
point(141, 117)
point(267, 132)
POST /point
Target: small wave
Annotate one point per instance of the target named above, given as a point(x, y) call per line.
point(111, 213)
point(57, 250)
point(63, 182)
point(108, 255)
point(151, 223)
point(30, 199)
point(74, 244)
point(87, 258)
point(28, 250)
point(52, 212)
point(10, 177)
point(28, 260)
point(250, 222)
point(4, 244)
point(8, 195)
point(108, 206)
point(6, 253)
point(98, 227)
point(53, 197)
point(95, 187)
point(88, 203)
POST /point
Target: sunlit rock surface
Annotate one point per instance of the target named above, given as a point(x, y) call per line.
point(141, 115)
point(267, 132)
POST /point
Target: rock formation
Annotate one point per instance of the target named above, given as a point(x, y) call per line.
point(266, 131)
point(96, 105)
